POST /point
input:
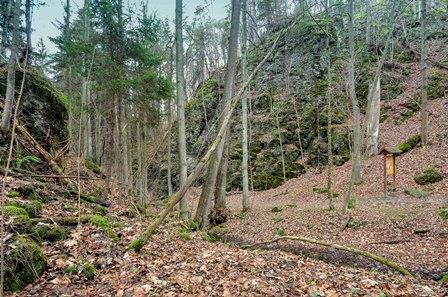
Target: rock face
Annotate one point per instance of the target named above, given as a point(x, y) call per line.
point(288, 107)
point(42, 107)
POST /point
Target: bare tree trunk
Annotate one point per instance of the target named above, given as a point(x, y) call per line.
point(373, 120)
point(424, 75)
point(11, 78)
point(28, 4)
point(6, 14)
point(201, 217)
point(279, 135)
point(181, 98)
point(244, 116)
point(356, 156)
point(221, 181)
point(369, 22)
point(354, 100)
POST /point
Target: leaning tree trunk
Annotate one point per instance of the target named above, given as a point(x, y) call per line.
point(201, 217)
point(424, 75)
point(139, 242)
point(11, 78)
point(181, 98)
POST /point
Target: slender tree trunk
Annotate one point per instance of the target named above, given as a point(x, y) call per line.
point(11, 78)
point(356, 156)
point(6, 13)
point(354, 100)
point(244, 116)
point(181, 98)
point(369, 22)
point(424, 76)
point(221, 182)
point(201, 217)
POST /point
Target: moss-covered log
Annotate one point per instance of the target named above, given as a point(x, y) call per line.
point(389, 263)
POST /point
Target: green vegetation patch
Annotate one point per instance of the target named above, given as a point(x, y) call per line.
point(281, 231)
point(24, 263)
point(103, 224)
point(276, 209)
point(92, 166)
point(12, 194)
point(416, 193)
point(443, 213)
point(45, 232)
point(429, 176)
point(136, 244)
point(83, 267)
point(410, 143)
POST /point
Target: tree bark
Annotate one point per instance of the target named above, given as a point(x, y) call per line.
point(11, 78)
point(424, 77)
point(181, 98)
point(208, 189)
point(244, 115)
point(373, 120)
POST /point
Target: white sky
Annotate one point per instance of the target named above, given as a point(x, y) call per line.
point(44, 17)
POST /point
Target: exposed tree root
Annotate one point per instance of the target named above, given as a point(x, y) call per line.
point(389, 263)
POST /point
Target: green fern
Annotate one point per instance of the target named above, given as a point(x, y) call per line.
point(27, 161)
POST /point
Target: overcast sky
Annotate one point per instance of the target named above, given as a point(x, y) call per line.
point(45, 16)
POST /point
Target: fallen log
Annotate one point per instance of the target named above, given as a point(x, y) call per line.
point(62, 221)
point(389, 263)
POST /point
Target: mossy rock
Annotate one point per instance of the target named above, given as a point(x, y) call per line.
point(33, 207)
point(409, 143)
point(276, 209)
point(429, 176)
point(84, 267)
point(24, 263)
point(100, 210)
point(31, 193)
point(417, 193)
point(45, 232)
point(20, 219)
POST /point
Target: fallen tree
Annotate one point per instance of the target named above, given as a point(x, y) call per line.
point(389, 263)
point(138, 243)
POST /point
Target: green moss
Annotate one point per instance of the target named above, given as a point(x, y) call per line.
point(281, 231)
point(12, 194)
point(100, 210)
point(276, 209)
point(409, 143)
point(208, 237)
point(443, 213)
point(444, 278)
point(429, 176)
point(353, 223)
point(71, 269)
point(92, 166)
point(417, 193)
point(352, 203)
point(136, 244)
point(14, 211)
point(24, 263)
point(103, 224)
point(88, 270)
point(45, 232)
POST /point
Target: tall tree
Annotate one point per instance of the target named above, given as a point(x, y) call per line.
point(181, 98)
point(213, 166)
point(244, 116)
point(424, 75)
point(356, 155)
point(11, 78)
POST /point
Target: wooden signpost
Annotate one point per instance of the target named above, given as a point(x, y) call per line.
point(390, 166)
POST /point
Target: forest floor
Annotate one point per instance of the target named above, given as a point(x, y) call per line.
point(177, 262)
